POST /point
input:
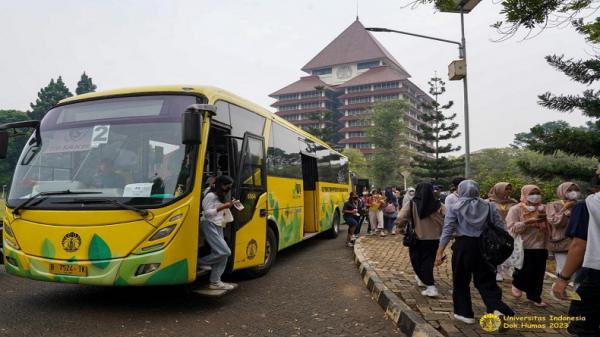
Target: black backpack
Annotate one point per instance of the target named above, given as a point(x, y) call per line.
point(495, 243)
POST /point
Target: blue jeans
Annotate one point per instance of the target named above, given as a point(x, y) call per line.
point(388, 223)
point(219, 251)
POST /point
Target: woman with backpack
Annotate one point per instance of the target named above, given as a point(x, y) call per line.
point(426, 214)
point(499, 195)
point(390, 211)
point(528, 219)
point(467, 219)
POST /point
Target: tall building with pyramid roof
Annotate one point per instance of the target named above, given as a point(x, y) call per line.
point(345, 79)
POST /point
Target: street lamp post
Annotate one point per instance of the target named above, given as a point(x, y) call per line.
point(462, 7)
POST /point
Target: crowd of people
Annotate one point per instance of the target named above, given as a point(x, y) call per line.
point(567, 229)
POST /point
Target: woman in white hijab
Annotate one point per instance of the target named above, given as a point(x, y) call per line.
point(467, 219)
point(410, 194)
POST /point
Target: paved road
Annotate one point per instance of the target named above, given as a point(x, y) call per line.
point(313, 290)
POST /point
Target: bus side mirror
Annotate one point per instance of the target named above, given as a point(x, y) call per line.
point(192, 122)
point(3, 143)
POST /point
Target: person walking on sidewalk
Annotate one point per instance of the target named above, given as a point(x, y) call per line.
point(390, 211)
point(499, 195)
point(364, 214)
point(467, 219)
point(215, 216)
point(559, 213)
point(528, 219)
point(376, 204)
point(427, 216)
point(351, 217)
point(452, 198)
point(584, 229)
point(410, 193)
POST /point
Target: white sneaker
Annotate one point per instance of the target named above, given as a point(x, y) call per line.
point(499, 277)
point(464, 319)
point(382, 234)
point(220, 286)
point(419, 283)
point(431, 291)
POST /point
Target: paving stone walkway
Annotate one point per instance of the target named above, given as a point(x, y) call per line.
point(391, 262)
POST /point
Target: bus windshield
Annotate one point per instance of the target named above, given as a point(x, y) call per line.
point(123, 149)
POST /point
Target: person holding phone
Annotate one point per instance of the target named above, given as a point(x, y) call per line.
point(351, 216)
point(215, 216)
point(528, 219)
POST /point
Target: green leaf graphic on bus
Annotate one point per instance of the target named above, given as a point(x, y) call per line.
point(99, 252)
point(48, 249)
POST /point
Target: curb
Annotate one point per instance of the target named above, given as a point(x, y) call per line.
point(399, 312)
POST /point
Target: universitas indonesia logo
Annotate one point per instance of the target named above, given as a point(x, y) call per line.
point(490, 322)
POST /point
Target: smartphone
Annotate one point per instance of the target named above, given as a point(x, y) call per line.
point(238, 205)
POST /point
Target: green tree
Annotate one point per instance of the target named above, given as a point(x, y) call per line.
point(358, 162)
point(15, 145)
point(433, 165)
point(389, 136)
point(85, 85)
point(48, 97)
point(328, 132)
point(552, 137)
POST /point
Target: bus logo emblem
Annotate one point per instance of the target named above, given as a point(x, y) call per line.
point(251, 249)
point(71, 242)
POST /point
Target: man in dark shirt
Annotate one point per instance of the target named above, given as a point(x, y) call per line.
point(588, 277)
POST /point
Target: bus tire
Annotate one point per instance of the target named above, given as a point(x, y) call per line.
point(333, 232)
point(270, 255)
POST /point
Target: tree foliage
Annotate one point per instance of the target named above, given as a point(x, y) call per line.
point(388, 134)
point(328, 133)
point(15, 145)
point(437, 168)
point(85, 85)
point(48, 97)
point(552, 137)
point(358, 162)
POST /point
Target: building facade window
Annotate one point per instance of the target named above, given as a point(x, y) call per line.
point(360, 122)
point(360, 146)
point(383, 98)
point(311, 105)
point(288, 97)
point(322, 71)
point(386, 85)
point(357, 100)
point(355, 134)
point(293, 118)
point(288, 107)
point(367, 65)
point(310, 94)
point(354, 112)
point(359, 88)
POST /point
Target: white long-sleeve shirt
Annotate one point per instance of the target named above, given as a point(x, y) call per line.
point(210, 204)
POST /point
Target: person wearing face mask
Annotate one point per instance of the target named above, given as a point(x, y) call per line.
point(351, 217)
point(364, 214)
point(499, 195)
point(410, 193)
point(559, 213)
point(215, 216)
point(528, 219)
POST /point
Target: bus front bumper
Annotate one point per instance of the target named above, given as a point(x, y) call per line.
point(133, 270)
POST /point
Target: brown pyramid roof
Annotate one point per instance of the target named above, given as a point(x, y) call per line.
point(376, 75)
point(355, 44)
point(306, 83)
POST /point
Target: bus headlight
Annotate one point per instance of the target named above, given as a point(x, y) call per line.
point(146, 268)
point(161, 233)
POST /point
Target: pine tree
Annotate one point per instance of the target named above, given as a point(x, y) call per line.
point(436, 167)
point(48, 97)
point(85, 85)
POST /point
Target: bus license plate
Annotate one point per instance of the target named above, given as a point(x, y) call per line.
point(68, 269)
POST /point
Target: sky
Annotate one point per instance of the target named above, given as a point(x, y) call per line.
point(255, 47)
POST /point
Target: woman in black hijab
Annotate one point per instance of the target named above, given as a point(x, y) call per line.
point(426, 213)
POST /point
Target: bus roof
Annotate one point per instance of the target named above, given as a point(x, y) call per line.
point(212, 93)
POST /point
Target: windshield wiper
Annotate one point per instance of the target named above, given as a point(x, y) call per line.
point(142, 212)
point(44, 196)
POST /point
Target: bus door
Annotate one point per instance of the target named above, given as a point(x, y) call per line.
point(309, 177)
point(249, 230)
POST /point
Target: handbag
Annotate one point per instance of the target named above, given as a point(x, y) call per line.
point(495, 243)
point(410, 237)
point(390, 211)
point(516, 258)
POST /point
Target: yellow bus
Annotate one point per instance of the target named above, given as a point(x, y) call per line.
point(108, 189)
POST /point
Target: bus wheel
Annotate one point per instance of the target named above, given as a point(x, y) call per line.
point(270, 254)
point(333, 232)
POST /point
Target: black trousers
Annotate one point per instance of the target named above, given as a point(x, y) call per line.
point(530, 278)
point(466, 262)
point(360, 222)
point(588, 307)
point(422, 258)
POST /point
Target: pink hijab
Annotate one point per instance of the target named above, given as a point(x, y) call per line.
point(561, 190)
point(496, 193)
point(526, 191)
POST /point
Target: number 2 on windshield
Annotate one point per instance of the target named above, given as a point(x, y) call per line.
point(100, 135)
